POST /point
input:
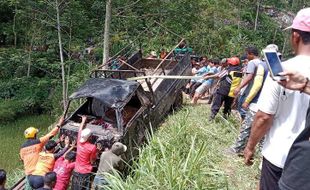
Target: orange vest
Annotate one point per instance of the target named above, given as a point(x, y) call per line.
point(45, 164)
point(30, 155)
point(30, 150)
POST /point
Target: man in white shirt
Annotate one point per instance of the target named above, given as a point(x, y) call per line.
point(282, 112)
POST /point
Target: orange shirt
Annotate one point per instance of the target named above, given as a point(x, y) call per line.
point(29, 152)
point(45, 164)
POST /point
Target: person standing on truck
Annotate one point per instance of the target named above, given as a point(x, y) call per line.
point(46, 163)
point(86, 156)
point(182, 49)
point(29, 152)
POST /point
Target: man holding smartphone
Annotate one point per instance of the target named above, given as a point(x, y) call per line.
point(282, 112)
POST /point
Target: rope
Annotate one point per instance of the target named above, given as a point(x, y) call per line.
point(166, 77)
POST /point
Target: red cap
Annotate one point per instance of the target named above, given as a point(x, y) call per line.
point(233, 61)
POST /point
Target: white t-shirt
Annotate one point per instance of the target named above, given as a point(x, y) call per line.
point(289, 109)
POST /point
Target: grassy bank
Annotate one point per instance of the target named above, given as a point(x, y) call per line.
point(187, 152)
point(12, 137)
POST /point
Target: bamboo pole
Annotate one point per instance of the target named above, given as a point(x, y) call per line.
point(158, 66)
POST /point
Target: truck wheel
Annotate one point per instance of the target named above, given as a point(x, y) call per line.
point(177, 104)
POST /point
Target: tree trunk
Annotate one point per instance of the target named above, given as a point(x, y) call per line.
point(70, 56)
point(107, 33)
point(14, 25)
point(284, 44)
point(256, 18)
point(275, 35)
point(30, 49)
point(64, 86)
point(29, 55)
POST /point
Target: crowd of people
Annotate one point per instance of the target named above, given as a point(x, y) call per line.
point(51, 164)
point(273, 114)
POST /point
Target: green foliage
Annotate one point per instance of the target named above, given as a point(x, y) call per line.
point(216, 28)
point(187, 152)
point(23, 95)
point(12, 138)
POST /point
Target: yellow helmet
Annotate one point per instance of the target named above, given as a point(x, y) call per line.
point(30, 132)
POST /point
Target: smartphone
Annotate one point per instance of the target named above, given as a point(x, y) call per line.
point(274, 64)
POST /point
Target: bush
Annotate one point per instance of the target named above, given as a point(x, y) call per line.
point(187, 152)
point(21, 96)
point(10, 109)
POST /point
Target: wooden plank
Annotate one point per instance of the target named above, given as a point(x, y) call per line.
point(20, 184)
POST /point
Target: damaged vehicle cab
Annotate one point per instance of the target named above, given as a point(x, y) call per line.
point(124, 110)
point(115, 107)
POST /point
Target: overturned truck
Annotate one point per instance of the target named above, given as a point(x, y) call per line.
point(124, 110)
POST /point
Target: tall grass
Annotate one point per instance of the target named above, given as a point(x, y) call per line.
point(187, 152)
point(12, 137)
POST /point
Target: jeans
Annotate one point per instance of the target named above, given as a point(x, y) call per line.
point(242, 111)
point(81, 181)
point(219, 99)
point(99, 182)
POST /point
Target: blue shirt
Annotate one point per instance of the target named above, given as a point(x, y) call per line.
point(203, 70)
point(212, 70)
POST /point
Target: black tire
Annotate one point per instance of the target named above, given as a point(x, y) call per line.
point(178, 101)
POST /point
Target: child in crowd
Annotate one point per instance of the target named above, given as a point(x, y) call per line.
point(46, 163)
point(241, 97)
point(63, 168)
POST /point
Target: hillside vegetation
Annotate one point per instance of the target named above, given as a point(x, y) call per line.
point(188, 152)
point(30, 64)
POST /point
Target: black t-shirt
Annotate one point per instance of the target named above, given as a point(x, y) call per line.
point(296, 171)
